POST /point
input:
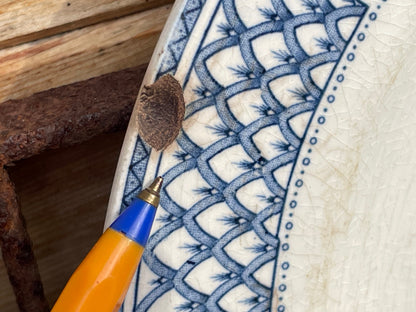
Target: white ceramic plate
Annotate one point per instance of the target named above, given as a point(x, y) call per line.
point(292, 184)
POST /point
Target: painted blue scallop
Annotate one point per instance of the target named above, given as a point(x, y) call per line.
point(308, 42)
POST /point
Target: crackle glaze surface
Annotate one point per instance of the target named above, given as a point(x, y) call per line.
point(290, 187)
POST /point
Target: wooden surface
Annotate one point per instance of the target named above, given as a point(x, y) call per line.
point(64, 196)
point(24, 21)
point(51, 43)
point(80, 54)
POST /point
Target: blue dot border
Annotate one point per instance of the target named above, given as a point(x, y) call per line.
point(349, 57)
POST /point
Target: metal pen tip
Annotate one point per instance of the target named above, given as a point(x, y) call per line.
point(156, 185)
point(151, 194)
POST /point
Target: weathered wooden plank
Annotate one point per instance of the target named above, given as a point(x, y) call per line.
point(23, 21)
point(80, 54)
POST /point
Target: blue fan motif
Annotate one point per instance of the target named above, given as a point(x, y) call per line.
point(302, 55)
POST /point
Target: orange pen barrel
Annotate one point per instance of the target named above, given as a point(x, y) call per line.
point(101, 281)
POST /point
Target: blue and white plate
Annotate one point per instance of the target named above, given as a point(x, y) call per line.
point(292, 184)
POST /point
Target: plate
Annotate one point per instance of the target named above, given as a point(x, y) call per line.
point(291, 185)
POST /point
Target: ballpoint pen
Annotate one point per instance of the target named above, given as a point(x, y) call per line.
point(101, 281)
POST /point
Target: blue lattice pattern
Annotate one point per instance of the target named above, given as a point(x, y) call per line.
point(137, 170)
point(284, 82)
point(180, 36)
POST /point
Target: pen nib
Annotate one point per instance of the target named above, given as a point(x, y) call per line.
point(151, 193)
point(156, 185)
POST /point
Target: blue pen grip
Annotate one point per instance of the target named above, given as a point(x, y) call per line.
point(136, 221)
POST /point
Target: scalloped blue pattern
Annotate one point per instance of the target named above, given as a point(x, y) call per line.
point(251, 75)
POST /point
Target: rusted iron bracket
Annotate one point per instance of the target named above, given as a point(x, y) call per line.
point(48, 120)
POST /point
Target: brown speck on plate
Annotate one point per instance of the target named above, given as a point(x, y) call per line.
point(161, 109)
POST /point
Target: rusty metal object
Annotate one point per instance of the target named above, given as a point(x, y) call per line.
point(52, 119)
point(160, 113)
point(17, 251)
point(67, 115)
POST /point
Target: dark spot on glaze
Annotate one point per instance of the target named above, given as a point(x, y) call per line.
point(161, 109)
